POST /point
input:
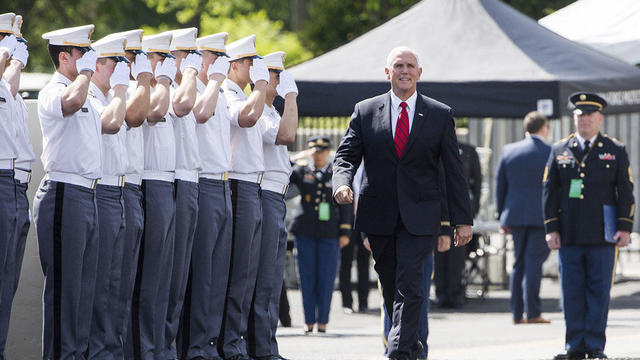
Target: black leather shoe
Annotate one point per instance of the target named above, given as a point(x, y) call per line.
point(597, 354)
point(239, 357)
point(570, 355)
point(417, 350)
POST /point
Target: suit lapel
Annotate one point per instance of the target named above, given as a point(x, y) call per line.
point(418, 121)
point(384, 118)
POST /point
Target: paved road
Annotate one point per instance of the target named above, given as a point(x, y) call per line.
point(481, 330)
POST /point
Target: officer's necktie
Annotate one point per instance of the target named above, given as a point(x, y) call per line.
point(586, 145)
point(402, 129)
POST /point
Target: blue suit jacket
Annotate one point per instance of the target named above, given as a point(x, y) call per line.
point(519, 182)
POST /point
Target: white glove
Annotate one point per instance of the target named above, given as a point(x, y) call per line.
point(287, 84)
point(258, 71)
point(220, 66)
point(8, 44)
point(87, 61)
point(140, 65)
point(167, 68)
point(21, 53)
point(191, 61)
point(120, 75)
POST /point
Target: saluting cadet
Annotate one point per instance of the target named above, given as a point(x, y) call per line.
point(321, 229)
point(183, 97)
point(8, 139)
point(22, 175)
point(151, 291)
point(205, 295)
point(138, 99)
point(107, 93)
point(588, 209)
point(248, 168)
point(65, 208)
point(277, 132)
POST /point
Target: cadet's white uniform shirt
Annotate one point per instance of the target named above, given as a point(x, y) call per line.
point(276, 157)
point(26, 156)
point(134, 141)
point(246, 143)
point(159, 146)
point(214, 137)
point(114, 156)
point(70, 144)
point(184, 129)
point(8, 123)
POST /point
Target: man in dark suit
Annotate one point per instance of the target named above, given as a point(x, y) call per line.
point(519, 193)
point(399, 202)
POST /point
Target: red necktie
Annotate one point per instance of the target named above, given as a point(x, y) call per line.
point(402, 129)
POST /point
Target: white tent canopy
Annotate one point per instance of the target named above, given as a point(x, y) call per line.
point(611, 26)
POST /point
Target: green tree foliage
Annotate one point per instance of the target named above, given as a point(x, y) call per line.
point(538, 9)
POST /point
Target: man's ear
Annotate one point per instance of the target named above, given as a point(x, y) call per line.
point(386, 71)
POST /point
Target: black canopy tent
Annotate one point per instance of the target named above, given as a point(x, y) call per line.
point(482, 57)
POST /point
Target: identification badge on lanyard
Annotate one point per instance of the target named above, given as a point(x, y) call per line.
point(575, 189)
point(324, 213)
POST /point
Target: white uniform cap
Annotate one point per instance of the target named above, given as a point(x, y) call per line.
point(17, 26)
point(6, 23)
point(243, 48)
point(275, 60)
point(184, 39)
point(133, 37)
point(158, 43)
point(111, 47)
point(79, 36)
point(215, 43)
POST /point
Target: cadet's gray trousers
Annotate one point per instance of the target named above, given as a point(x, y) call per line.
point(261, 335)
point(207, 286)
point(247, 217)
point(186, 219)
point(8, 214)
point(15, 253)
point(151, 290)
point(66, 218)
point(106, 308)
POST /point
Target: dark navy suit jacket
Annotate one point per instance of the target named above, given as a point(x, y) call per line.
point(407, 187)
point(519, 182)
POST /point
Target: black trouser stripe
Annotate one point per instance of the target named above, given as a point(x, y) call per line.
point(185, 324)
point(233, 185)
point(135, 305)
point(57, 272)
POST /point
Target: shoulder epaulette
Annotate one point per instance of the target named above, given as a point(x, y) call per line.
point(302, 162)
point(618, 142)
point(565, 139)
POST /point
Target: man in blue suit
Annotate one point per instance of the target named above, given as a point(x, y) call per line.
point(519, 194)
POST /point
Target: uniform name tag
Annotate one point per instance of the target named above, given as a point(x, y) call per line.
point(3, 99)
point(162, 120)
point(84, 109)
point(323, 211)
point(575, 189)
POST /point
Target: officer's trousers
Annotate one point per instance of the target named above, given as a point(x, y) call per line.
point(103, 342)
point(247, 217)
point(13, 264)
point(151, 290)
point(134, 225)
point(186, 219)
point(66, 218)
point(587, 275)
point(363, 257)
point(531, 251)
point(206, 289)
point(261, 336)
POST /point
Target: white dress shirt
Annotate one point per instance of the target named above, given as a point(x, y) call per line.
point(246, 143)
point(134, 140)
point(70, 144)
point(26, 156)
point(8, 131)
point(159, 149)
point(187, 153)
point(276, 158)
point(396, 108)
point(214, 137)
point(581, 140)
point(114, 156)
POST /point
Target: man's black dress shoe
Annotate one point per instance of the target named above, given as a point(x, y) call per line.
point(239, 357)
point(570, 355)
point(597, 354)
point(417, 350)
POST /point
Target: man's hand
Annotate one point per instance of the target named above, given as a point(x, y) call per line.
point(140, 65)
point(87, 62)
point(8, 45)
point(21, 53)
point(220, 67)
point(120, 75)
point(622, 237)
point(287, 84)
point(258, 71)
point(344, 241)
point(167, 68)
point(366, 244)
point(553, 240)
point(344, 195)
point(504, 229)
point(444, 243)
point(193, 61)
point(463, 235)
